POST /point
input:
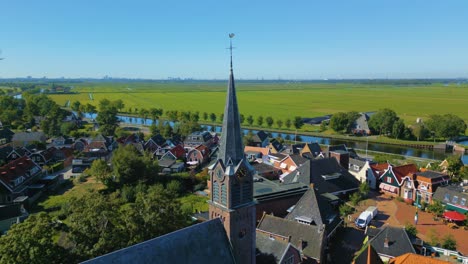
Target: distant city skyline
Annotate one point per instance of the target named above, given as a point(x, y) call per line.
point(304, 40)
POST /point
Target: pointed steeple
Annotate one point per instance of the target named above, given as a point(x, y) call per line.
point(231, 149)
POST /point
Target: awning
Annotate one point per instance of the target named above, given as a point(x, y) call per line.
point(454, 216)
point(388, 187)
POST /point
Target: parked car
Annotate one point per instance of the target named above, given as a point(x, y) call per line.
point(365, 217)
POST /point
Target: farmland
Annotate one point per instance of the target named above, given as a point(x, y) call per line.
point(280, 100)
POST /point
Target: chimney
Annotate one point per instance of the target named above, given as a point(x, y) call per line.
point(385, 242)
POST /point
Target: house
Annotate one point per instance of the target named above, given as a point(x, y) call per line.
point(154, 143)
point(18, 178)
point(275, 250)
point(43, 157)
point(411, 258)
point(64, 155)
point(373, 175)
point(309, 239)
point(130, 139)
point(63, 141)
point(390, 242)
point(362, 170)
point(393, 179)
point(80, 144)
point(275, 198)
point(256, 153)
point(327, 176)
point(428, 181)
point(188, 245)
point(199, 155)
point(100, 146)
point(266, 170)
point(260, 139)
point(275, 146)
point(199, 138)
point(287, 163)
point(313, 209)
point(361, 126)
point(368, 256)
point(80, 165)
point(6, 135)
point(23, 139)
point(453, 197)
point(306, 150)
point(8, 153)
point(11, 214)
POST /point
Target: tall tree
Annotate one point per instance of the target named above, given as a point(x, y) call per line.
point(250, 120)
point(298, 122)
point(398, 129)
point(260, 120)
point(382, 121)
point(446, 126)
point(279, 123)
point(269, 121)
point(213, 117)
point(32, 242)
point(288, 123)
point(107, 118)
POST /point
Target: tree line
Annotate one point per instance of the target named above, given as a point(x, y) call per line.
point(387, 122)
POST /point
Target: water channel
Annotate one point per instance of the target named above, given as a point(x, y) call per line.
point(360, 145)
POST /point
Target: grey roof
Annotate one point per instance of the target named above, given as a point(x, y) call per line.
point(269, 250)
point(231, 146)
point(316, 120)
point(298, 159)
point(6, 133)
point(431, 174)
point(29, 136)
point(315, 209)
point(449, 192)
point(265, 189)
point(260, 136)
point(5, 151)
point(10, 211)
point(276, 144)
point(366, 257)
point(263, 167)
point(206, 242)
point(313, 236)
point(361, 122)
point(314, 148)
point(326, 174)
point(398, 242)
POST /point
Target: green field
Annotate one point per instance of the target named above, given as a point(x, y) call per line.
point(281, 100)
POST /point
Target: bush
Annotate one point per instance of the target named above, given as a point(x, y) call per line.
point(437, 208)
point(449, 242)
point(345, 210)
point(411, 229)
point(355, 198)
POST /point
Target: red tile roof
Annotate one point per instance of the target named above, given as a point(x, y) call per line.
point(411, 258)
point(15, 169)
point(404, 170)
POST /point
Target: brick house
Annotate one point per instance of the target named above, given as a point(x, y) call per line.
point(428, 181)
point(392, 179)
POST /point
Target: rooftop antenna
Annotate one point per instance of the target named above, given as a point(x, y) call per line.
point(231, 35)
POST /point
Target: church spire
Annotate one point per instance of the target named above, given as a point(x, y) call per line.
point(231, 149)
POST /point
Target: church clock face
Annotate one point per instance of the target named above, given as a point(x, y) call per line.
point(219, 174)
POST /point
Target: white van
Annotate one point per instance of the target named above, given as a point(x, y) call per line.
point(365, 217)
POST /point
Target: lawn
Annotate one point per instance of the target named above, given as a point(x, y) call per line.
point(70, 190)
point(281, 100)
point(194, 203)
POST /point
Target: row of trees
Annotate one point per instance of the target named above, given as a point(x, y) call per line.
point(387, 122)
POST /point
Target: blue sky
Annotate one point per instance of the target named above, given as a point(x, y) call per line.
point(274, 39)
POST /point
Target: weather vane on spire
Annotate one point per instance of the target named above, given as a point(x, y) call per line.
point(231, 35)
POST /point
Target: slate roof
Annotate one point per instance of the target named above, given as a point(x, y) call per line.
point(399, 242)
point(267, 247)
point(449, 192)
point(431, 176)
point(265, 189)
point(314, 208)
point(5, 151)
point(7, 134)
point(276, 144)
point(158, 139)
point(357, 162)
point(206, 242)
point(260, 136)
point(313, 236)
point(411, 258)
point(29, 137)
point(10, 211)
point(316, 120)
point(16, 169)
point(231, 145)
point(326, 174)
point(264, 168)
point(368, 256)
point(298, 159)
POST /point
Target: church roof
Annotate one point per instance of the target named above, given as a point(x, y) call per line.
point(206, 242)
point(231, 146)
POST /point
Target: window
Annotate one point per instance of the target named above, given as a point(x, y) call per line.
point(389, 179)
point(455, 199)
point(447, 197)
point(408, 184)
point(463, 202)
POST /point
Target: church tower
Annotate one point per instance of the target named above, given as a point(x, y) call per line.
point(231, 179)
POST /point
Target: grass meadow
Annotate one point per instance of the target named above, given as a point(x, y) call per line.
point(281, 100)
